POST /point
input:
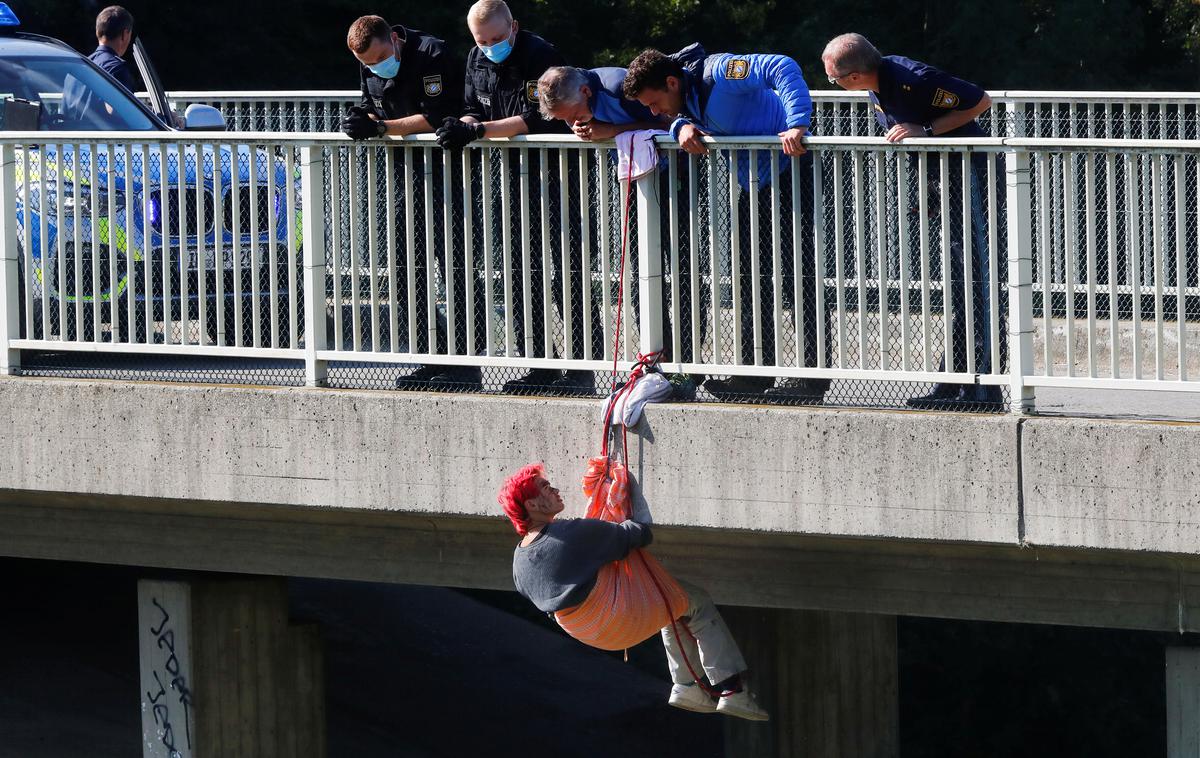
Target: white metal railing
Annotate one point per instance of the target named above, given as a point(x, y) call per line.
point(995, 261)
point(1015, 113)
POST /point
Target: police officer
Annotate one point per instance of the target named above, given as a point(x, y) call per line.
point(757, 94)
point(914, 99)
point(409, 84)
point(500, 99)
point(408, 79)
point(114, 33)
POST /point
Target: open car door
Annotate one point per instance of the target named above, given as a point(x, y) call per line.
point(158, 96)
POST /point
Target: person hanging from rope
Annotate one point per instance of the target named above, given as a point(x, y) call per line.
point(586, 573)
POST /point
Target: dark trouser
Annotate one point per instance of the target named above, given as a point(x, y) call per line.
point(547, 258)
point(967, 272)
point(761, 248)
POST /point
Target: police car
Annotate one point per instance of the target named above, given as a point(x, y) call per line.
point(47, 86)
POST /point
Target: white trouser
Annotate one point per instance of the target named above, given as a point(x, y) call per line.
point(713, 648)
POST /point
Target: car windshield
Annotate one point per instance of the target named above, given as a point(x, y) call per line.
point(64, 94)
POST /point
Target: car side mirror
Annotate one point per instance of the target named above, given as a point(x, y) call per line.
point(203, 118)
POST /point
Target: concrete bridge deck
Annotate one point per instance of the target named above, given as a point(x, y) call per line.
point(1049, 520)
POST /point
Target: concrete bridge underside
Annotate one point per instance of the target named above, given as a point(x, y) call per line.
point(1085, 522)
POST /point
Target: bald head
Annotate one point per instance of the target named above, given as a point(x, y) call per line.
point(851, 53)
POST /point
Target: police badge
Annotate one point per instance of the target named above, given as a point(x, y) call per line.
point(433, 85)
point(531, 90)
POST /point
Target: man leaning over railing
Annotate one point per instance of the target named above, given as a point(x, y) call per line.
point(755, 94)
point(500, 99)
point(409, 85)
point(914, 99)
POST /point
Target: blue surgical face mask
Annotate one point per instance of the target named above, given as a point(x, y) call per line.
point(498, 52)
point(386, 68)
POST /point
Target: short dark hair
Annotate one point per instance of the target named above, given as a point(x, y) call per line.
point(112, 22)
point(650, 70)
point(365, 30)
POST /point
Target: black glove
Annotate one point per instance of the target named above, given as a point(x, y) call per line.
point(454, 134)
point(358, 124)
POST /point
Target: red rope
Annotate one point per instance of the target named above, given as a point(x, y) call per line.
point(644, 363)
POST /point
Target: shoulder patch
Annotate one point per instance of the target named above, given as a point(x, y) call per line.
point(944, 99)
point(433, 85)
point(738, 68)
point(531, 93)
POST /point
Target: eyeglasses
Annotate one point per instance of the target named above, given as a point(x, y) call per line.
point(836, 79)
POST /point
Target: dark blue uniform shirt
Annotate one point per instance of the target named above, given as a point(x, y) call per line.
point(492, 91)
point(106, 58)
point(428, 82)
point(911, 92)
point(608, 102)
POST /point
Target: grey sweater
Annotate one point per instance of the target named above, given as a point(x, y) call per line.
point(558, 569)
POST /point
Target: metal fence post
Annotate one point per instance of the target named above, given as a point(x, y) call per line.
point(1020, 279)
point(650, 280)
point(312, 183)
point(10, 312)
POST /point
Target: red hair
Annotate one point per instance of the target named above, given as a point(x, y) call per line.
point(516, 491)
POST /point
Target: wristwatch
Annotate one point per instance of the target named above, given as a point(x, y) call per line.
point(928, 129)
point(381, 128)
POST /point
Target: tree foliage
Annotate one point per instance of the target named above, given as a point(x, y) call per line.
point(1004, 44)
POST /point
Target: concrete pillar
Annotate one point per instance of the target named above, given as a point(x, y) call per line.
point(830, 681)
point(225, 675)
point(1183, 702)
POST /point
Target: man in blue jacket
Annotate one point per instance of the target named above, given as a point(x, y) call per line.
point(756, 94)
point(914, 99)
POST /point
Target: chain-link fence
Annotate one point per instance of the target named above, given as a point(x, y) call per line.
point(866, 274)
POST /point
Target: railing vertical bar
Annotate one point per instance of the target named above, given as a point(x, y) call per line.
point(923, 241)
point(585, 249)
point(1046, 259)
point(526, 255)
point(1089, 179)
point(882, 160)
point(393, 306)
point(487, 225)
point(839, 252)
point(564, 248)
point(314, 260)
point(273, 248)
point(334, 255)
point(1135, 200)
point(430, 255)
point(755, 267)
point(164, 222)
point(201, 250)
point(76, 263)
point(93, 182)
point(1156, 178)
point(294, 259)
point(735, 254)
point(446, 255)
point(993, 267)
point(626, 300)
point(604, 250)
point(860, 253)
point(372, 317)
point(968, 267)
point(902, 213)
point(468, 258)
point(255, 274)
point(1110, 201)
point(1180, 257)
point(44, 247)
point(818, 283)
point(948, 346)
point(410, 249)
point(506, 227)
point(29, 276)
point(218, 235)
point(1071, 253)
point(355, 235)
point(714, 274)
point(777, 257)
point(546, 253)
point(673, 230)
point(185, 294)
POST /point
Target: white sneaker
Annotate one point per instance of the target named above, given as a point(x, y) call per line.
point(689, 697)
point(742, 705)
